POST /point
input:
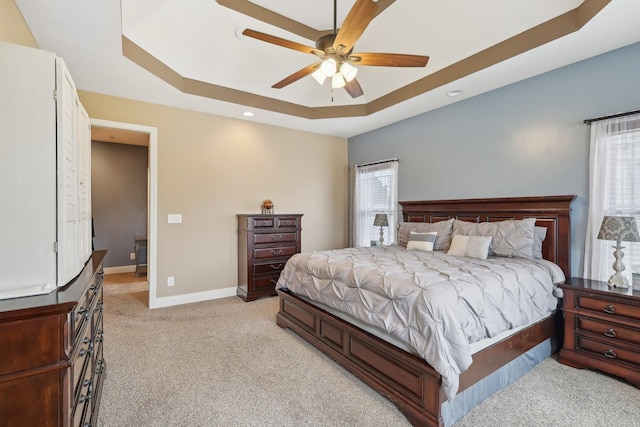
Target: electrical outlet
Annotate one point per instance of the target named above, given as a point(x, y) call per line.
point(132, 255)
point(170, 281)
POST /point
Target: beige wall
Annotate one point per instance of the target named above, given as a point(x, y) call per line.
point(210, 168)
point(12, 26)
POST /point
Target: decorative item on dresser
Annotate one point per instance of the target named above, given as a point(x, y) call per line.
point(265, 243)
point(601, 328)
point(52, 367)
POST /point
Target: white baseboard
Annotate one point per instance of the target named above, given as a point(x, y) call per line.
point(121, 269)
point(160, 302)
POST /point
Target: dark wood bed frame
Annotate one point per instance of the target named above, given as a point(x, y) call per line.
point(403, 378)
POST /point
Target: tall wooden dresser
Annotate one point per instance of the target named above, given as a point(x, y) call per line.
point(265, 243)
point(51, 359)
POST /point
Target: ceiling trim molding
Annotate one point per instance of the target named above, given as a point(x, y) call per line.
point(539, 35)
point(267, 16)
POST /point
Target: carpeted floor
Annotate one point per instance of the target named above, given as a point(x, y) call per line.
point(226, 363)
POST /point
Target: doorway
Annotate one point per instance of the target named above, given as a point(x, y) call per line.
point(132, 134)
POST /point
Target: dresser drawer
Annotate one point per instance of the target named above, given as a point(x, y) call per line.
point(614, 332)
point(274, 238)
point(80, 365)
point(278, 251)
point(268, 267)
point(265, 282)
point(288, 221)
point(262, 222)
point(614, 308)
point(609, 352)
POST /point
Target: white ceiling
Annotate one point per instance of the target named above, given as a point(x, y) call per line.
point(199, 39)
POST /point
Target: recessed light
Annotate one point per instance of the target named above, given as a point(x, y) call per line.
point(247, 114)
point(453, 93)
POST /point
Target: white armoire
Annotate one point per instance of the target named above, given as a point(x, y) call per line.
point(45, 171)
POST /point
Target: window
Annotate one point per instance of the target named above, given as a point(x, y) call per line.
point(614, 189)
point(374, 191)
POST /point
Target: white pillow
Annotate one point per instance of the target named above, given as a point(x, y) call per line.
point(470, 246)
point(421, 241)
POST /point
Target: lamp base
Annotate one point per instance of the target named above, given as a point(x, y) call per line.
point(618, 281)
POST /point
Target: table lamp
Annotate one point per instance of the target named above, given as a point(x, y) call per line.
point(381, 221)
point(620, 229)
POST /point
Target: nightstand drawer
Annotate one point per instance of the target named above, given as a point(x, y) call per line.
point(274, 252)
point(614, 332)
point(275, 238)
point(606, 351)
point(609, 306)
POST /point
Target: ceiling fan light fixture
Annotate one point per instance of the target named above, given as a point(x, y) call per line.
point(348, 71)
point(319, 75)
point(329, 67)
point(337, 81)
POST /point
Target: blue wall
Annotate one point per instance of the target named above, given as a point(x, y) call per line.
point(525, 139)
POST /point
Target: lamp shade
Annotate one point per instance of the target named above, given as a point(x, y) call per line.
point(319, 75)
point(381, 220)
point(619, 228)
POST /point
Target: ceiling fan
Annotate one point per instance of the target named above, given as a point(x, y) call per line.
point(335, 51)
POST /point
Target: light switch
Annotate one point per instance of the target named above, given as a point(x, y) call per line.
point(175, 218)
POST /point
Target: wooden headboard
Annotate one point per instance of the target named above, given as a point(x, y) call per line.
point(551, 212)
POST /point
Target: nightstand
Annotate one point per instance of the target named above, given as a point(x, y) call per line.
point(601, 328)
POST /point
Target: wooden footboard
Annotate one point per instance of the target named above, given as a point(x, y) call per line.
point(406, 380)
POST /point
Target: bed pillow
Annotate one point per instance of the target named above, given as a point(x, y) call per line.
point(539, 234)
point(511, 238)
point(470, 246)
point(421, 241)
point(443, 228)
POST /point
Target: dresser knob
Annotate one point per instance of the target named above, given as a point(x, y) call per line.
point(610, 354)
point(610, 333)
point(609, 309)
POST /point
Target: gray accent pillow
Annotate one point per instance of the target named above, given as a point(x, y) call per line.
point(511, 238)
point(421, 241)
point(443, 228)
point(539, 234)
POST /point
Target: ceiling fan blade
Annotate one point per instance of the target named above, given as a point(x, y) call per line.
point(389, 59)
point(282, 42)
point(354, 24)
point(296, 76)
point(353, 88)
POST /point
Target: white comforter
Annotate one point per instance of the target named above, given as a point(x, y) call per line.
point(436, 303)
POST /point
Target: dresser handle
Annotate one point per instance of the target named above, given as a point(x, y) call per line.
point(610, 354)
point(86, 383)
point(274, 281)
point(276, 267)
point(84, 312)
point(609, 309)
point(278, 252)
point(610, 333)
point(276, 237)
point(83, 398)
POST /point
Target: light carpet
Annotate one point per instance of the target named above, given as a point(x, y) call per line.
point(227, 363)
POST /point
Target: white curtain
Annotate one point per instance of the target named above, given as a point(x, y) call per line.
point(614, 189)
point(374, 189)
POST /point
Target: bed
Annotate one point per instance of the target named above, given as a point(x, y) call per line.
point(400, 374)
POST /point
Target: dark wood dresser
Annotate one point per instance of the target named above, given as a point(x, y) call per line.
point(51, 360)
point(265, 243)
point(602, 328)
